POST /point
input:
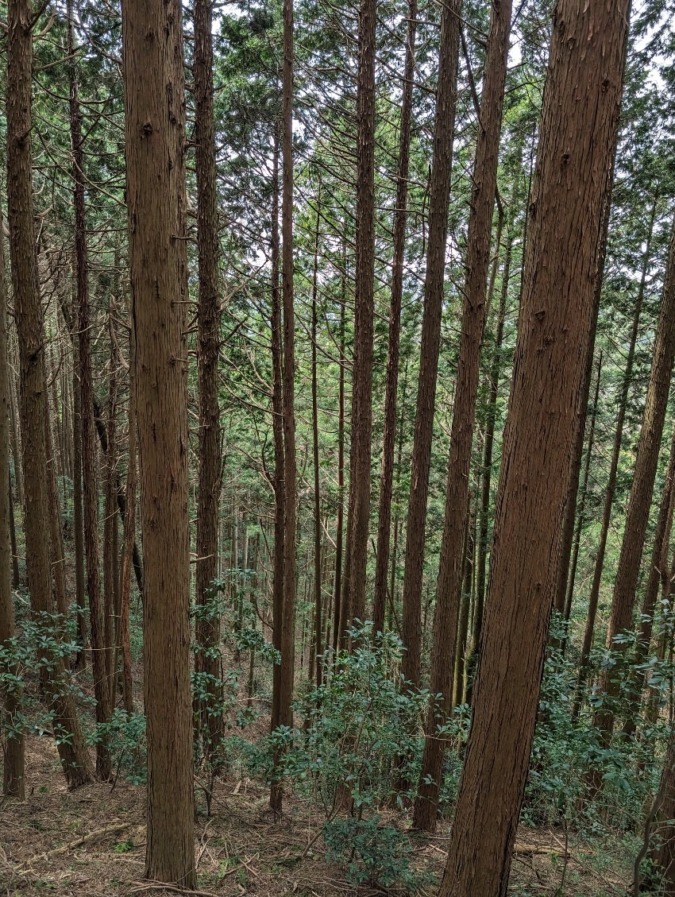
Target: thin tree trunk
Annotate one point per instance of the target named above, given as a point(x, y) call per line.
point(391, 392)
point(290, 471)
point(339, 623)
point(358, 513)
point(578, 132)
point(488, 446)
point(449, 586)
point(129, 531)
point(658, 568)
point(30, 330)
point(16, 579)
point(610, 489)
point(439, 197)
point(80, 591)
point(569, 593)
point(278, 433)
point(13, 780)
point(89, 478)
point(207, 658)
point(318, 608)
point(156, 203)
point(639, 503)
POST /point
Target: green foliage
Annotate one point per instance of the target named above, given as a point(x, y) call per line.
point(124, 736)
point(372, 853)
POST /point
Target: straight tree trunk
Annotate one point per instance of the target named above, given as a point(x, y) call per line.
point(80, 591)
point(278, 433)
point(13, 780)
point(287, 666)
point(33, 410)
point(569, 592)
point(358, 513)
point(577, 140)
point(439, 198)
point(639, 503)
point(391, 392)
point(339, 623)
point(129, 532)
point(16, 579)
point(155, 147)
point(318, 608)
point(110, 532)
point(488, 446)
point(658, 567)
point(207, 658)
point(610, 489)
point(449, 586)
point(89, 466)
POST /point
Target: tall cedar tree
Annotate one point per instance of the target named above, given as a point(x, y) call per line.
point(155, 143)
point(207, 630)
point(639, 503)
point(577, 140)
point(358, 512)
point(464, 410)
point(393, 360)
point(33, 383)
point(283, 713)
point(89, 460)
point(439, 197)
point(13, 770)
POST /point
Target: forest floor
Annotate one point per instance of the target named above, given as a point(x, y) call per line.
point(92, 842)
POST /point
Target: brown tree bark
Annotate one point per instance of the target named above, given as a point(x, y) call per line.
point(110, 532)
point(155, 147)
point(278, 435)
point(287, 666)
point(577, 140)
point(610, 489)
point(488, 445)
point(207, 628)
point(576, 542)
point(658, 568)
point(439, 197)
point(449, 586)
point(13, 779)
point(338, 616)
point(129, 531)
point(358, 512)
point(391, 391)
point(639, 503)
point(318, 607)
point(33, 385)
point(89, 465)
point(78, 526)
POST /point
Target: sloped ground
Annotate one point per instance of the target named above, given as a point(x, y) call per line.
point(92, 841)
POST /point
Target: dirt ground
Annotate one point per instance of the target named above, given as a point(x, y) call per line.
point(92, 842)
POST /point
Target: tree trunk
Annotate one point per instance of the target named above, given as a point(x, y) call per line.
point(612, 477)
point(488, 446)
point(639, 503)
point(129, 531)
point(278, 432)
point(207, 658)
point(318, 608)
point(13, 781)
point(577, 140)
point(439, 197)
point(658, 568)
point(155, 146)
point(449, 587)
point(569, 591)
point(358, 514)
point(287, 666)
point(339, 623)
point(89, 466)
point(80, 593)
point(390, 401)
point(33, 411)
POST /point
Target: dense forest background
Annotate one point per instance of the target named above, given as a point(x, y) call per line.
point(280, 288)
